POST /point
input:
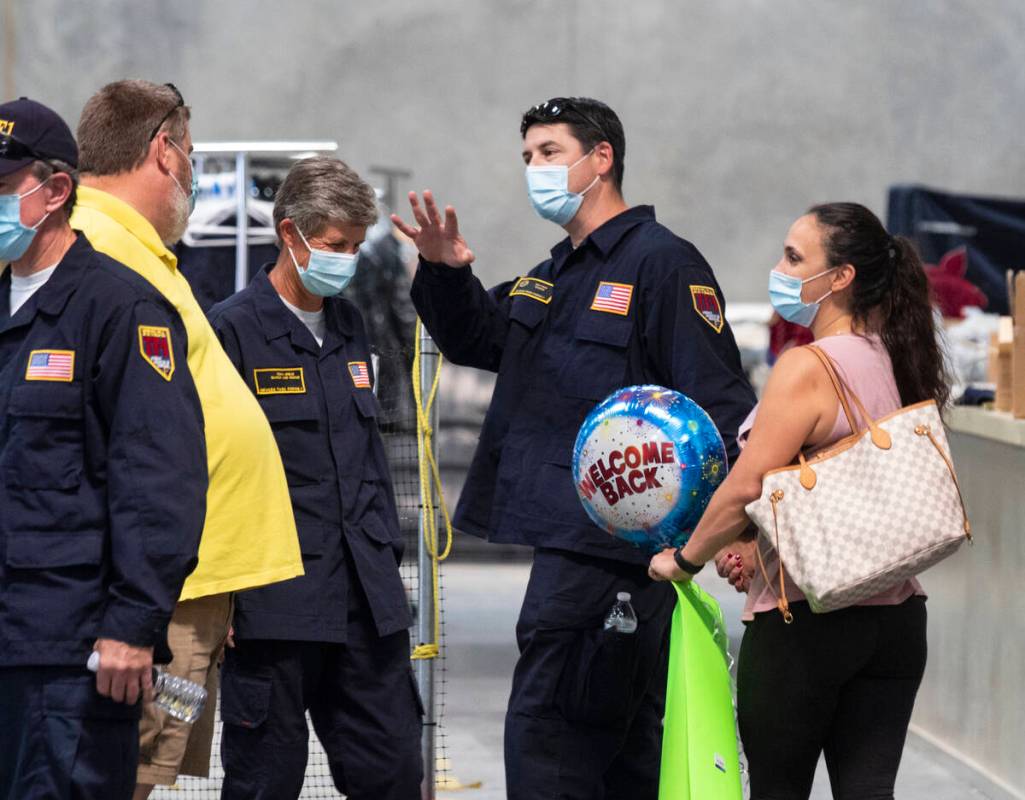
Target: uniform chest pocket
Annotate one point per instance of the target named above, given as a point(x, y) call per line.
point(366, 404)
point(597, 362)
point(295, 421)
point(45, 447)
point(527, 311)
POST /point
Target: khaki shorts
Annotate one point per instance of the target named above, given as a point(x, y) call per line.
point(168, 747)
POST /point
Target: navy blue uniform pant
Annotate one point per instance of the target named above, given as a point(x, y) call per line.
point(362, 700)
point(585, 713)
point(61, 740)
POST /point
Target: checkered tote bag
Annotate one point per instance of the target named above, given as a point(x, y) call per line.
point(867, 512)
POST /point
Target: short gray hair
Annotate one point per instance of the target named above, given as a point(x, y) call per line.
point(322, 190)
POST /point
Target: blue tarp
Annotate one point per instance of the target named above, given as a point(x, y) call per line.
point(993, 230)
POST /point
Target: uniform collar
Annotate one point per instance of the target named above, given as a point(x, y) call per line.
point(52, 296)
point(276, 320)
point(606, 236)
point(128, 218)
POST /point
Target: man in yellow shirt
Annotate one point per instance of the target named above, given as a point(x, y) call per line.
point(133, 203)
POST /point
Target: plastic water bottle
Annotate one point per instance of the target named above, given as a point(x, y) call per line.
point(182, 699)
point(621, 617)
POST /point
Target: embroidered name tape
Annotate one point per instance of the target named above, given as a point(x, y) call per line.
point(50, 365)
point(155, 346)
point(613, 298)
point(279, 380)
point(534, 288)
point(360, 374)
point(706, 303)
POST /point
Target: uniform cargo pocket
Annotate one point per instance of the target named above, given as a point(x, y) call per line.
point(78, 698)
point(597, 683)
point(245, 700)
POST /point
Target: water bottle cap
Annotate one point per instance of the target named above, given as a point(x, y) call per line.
point(623, 597)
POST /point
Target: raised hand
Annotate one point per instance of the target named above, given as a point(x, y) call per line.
point(438, 242)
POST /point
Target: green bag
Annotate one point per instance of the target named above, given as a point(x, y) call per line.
point(699, 738)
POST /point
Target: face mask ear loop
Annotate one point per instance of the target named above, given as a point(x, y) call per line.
point(33, 190)
point(585, 155)
point(591, 185)
point(596, 177)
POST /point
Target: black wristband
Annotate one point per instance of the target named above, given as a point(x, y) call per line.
point(684, 564)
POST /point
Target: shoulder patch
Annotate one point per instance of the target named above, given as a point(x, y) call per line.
point(155, 347)
point(706, 304)
point(613, 297)
point(279, 380)
point(534, 288)
point(51, 365)
point(360, 375)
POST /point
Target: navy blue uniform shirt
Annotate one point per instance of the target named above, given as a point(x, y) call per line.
point(323, 411)
point(103, 471)
point(632, 304)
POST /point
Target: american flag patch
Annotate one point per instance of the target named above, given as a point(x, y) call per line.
point(613, 297)
point(360, 374)
point(51, 365)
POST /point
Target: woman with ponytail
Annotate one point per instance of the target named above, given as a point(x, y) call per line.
point(841, 684)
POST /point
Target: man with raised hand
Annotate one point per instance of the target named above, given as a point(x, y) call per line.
point(621, 301)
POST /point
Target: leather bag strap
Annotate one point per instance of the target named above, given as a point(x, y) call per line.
point(880, 438)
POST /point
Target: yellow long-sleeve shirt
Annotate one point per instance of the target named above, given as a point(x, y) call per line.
point(249, 538)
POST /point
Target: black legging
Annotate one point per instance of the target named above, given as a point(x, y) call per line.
point(842, 683)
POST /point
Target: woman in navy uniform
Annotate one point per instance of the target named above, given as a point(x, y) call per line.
point(102, 480)
point(334, 642)
point(621, 301)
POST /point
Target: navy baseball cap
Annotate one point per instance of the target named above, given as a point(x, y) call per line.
point(29, 131)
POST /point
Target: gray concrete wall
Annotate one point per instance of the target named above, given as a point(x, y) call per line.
point(739, 113)
point(972, 700)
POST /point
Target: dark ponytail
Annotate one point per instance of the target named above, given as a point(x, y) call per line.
point(890, 296)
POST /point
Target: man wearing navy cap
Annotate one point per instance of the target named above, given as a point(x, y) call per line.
point(102, 480)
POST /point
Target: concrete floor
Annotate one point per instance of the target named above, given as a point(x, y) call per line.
point(481, 603)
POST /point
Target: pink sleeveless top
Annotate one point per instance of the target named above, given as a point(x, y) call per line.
point(865, 366)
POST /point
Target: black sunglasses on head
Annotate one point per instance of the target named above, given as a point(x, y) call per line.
point(13, 150)
point(554, 108)
point(179, 104)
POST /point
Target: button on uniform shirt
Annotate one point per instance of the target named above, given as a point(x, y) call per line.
point(250, 537)
point(102, 463)
point(322, 408)
point(632, 304)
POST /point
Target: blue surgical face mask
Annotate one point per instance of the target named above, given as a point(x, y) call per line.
point(326, 274)
point(785, 296)
point(16, 238)
point(548, 188)
point(195, 181)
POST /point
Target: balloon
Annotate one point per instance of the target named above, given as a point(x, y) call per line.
point(645, 464)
